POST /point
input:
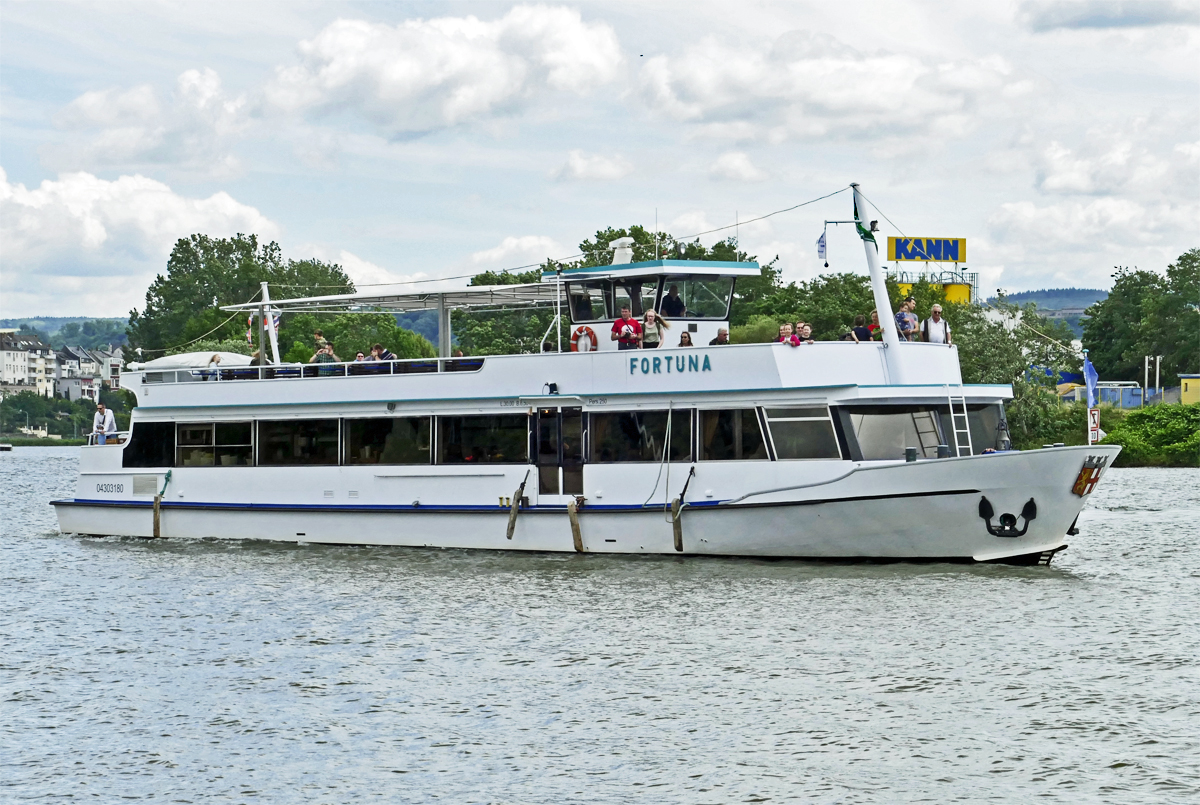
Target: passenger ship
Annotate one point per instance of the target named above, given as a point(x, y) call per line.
point(834, 450)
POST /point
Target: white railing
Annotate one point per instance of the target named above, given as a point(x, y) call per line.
point(297, 371)
point(116, 437)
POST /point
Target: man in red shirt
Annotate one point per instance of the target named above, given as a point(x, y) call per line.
point(626, 331)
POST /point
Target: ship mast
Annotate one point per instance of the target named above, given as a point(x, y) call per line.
point(883, 305)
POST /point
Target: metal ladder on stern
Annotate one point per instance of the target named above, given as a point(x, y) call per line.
point(959, 422)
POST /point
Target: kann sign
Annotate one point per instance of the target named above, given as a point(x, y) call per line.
point(950, 250)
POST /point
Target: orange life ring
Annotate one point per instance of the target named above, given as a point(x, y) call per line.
point(579, 333)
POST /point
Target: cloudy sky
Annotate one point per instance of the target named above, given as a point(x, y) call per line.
point(408, 140)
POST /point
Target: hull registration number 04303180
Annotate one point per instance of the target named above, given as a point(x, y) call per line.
point(117, 488)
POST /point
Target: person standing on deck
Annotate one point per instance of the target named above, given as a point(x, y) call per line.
point(935, 329)
point(906, 320)
point(626, 331)
point(103, 423)
point(654, 329)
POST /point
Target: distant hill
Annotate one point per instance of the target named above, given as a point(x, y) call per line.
point(1067, 304)
point(1058, 298)
point(83, 331)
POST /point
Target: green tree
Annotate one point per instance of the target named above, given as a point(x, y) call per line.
point(1114, 326)
point(350, 332)
point(1170, 324)
point(204, 273)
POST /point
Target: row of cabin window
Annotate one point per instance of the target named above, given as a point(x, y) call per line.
point(631, 436)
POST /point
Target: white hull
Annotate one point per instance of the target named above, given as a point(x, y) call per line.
point(867, 510)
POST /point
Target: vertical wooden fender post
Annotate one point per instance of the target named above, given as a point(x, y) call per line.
point(677, 522)
point(576, 533)
point(516, 506)
point(158, 506)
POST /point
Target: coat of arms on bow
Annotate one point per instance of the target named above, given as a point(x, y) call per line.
point(1089, 475)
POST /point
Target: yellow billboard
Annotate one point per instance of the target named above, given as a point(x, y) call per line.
point(946, 250)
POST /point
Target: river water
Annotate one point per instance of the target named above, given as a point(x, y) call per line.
point(252, 672)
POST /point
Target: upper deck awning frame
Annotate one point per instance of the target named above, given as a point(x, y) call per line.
point(536, 294)
point(650, 268)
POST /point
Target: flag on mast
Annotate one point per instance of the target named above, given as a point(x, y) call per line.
point(821, 246)
point(1091, 378)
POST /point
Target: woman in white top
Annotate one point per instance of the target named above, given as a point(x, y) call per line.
point(654, 329)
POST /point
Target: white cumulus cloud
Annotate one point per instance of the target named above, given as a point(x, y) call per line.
point(736, 166)
point(115, 127)
point(597, 167)
point(811, 85)
point(522, 250)
point(68, 239)
point(422, 75)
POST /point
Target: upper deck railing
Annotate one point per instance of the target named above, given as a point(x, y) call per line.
point(307, 370)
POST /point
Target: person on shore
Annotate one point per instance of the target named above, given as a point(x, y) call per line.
point(654, 329)
point(685, 340)
point(672, 305)
point(861, 332)
point(786, 336)
point(626, 331)
point(935, 329)
point(381, 353)
point(906, 320)
point(103, 423)
point(721, 339)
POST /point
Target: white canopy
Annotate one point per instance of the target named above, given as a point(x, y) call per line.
point(192, 360)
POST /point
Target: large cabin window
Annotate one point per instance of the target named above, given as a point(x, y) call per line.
point(215, 444)
point(732, 435)
point(802, 433)
point(394, 440)
point(884, 431)
point(640, 436)
point(151, 444)
point(298, 442)
point(692, 297)
point(488, 439)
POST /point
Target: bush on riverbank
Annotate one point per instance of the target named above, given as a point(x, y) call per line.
point(26, 441)
point(1158, 436)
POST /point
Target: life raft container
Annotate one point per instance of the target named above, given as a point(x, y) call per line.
point(584, 332)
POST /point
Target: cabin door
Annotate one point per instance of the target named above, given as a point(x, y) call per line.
point(560, 451)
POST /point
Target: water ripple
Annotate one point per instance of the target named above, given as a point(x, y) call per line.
point(231, 672)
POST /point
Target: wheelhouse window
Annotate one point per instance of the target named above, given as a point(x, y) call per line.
point(884, 432)
point(590, 301)
point(692, 297)
point(636, 294)
point(802, 433)
point(987, 423)
point(298, 442)
point(731, 435)
point(488, 439)
point(391, 440)
point(215, 444)
point(151, 444)
point(640, 436)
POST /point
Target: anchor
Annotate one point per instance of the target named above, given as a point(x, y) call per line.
point(1008, 522)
